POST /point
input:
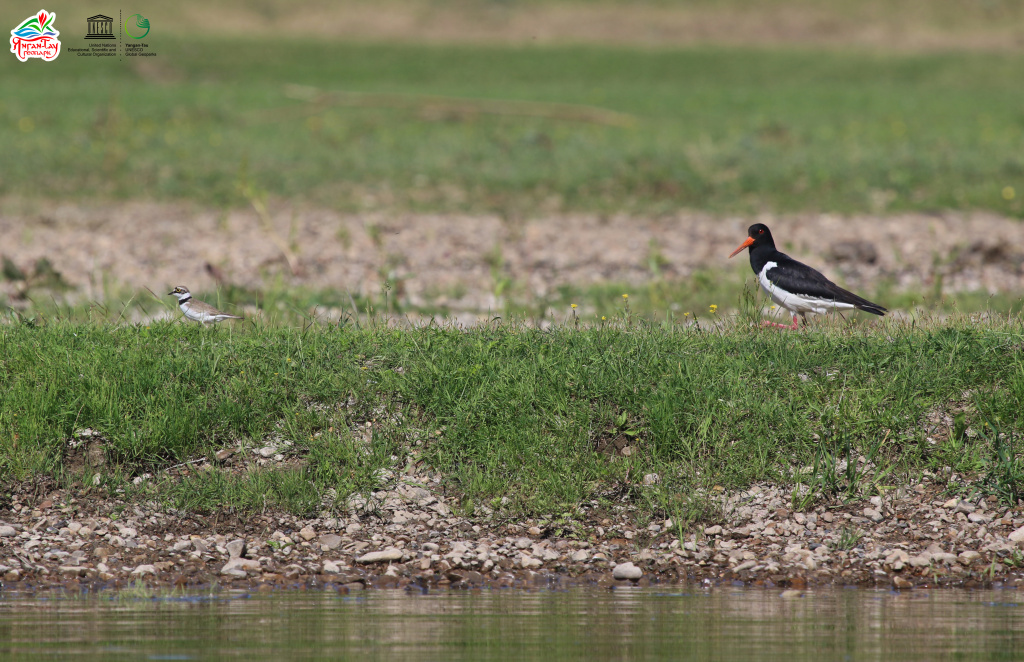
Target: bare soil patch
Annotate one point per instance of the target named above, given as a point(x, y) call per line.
point(105, 249)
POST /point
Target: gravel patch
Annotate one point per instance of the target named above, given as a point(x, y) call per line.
point(406, 536)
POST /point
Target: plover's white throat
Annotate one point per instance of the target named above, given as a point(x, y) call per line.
point(199, 311)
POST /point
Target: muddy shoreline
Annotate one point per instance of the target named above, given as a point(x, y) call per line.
point(408, 537)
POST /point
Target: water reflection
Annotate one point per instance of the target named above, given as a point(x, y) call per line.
point(721, 623)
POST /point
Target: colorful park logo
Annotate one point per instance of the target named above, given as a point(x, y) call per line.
point(137, 28)
point(36, 37)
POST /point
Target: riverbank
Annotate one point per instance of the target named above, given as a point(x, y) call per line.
point(408, 537)
point(852, 453)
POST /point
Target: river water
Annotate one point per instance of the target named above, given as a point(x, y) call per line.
point(691, 623)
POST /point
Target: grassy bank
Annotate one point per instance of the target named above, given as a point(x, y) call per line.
point(515, 419)
point(519, 129)
point(655, 301)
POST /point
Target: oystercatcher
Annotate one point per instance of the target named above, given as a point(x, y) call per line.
point(793, 285)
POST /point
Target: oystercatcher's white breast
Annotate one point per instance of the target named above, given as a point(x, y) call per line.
point(794, 301)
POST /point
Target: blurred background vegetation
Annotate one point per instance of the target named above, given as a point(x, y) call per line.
point(531, 107)
point(734, 106)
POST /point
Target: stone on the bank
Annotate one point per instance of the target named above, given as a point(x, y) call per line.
point(7, 531)
point(527, 561)
point(746, 565)
point(1018, 535)
point(922, 560)
point(330, 568)
point(627, 571)
point(900, 582)
point(239, 567)
point(330, 541)
point(390, 554)
point(873, 515)
point(580, 556)
point(293, 571)
point(964, 507)
point(715, 530)
point(307, 533)
point(235, 548)
point(968, 557)
point(145, 569)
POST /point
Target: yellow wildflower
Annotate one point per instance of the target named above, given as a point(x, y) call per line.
point(713, 308)
point(573, 306)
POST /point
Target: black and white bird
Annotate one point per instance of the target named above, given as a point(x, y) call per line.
point(793, 285)
point(199, 311)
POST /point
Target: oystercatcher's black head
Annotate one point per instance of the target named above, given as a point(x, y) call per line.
point(759, 235)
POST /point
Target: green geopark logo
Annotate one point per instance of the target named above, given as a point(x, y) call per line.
point(139, 27)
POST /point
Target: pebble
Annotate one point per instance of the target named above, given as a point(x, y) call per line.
point(390, 554)
point(527, 561)
point(239, 567)
point(7, 531)
point(627, 571)
point(901, 583)
point(235, 548)
point(873, 515)
point(330, 541)
point(968, 557)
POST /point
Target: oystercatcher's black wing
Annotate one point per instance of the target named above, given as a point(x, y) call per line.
point(802, 280)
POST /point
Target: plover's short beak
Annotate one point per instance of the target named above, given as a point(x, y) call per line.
point(170, 293)
point(746, 243)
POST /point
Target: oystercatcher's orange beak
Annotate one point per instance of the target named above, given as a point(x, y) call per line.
point(746, 243)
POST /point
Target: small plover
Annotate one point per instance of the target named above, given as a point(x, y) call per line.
point(199, 311)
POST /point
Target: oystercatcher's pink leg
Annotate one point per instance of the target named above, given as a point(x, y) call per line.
point(782, 326)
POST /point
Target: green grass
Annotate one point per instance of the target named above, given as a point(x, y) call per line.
point(728, 130)
point(655, 300)
point(507, 410)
